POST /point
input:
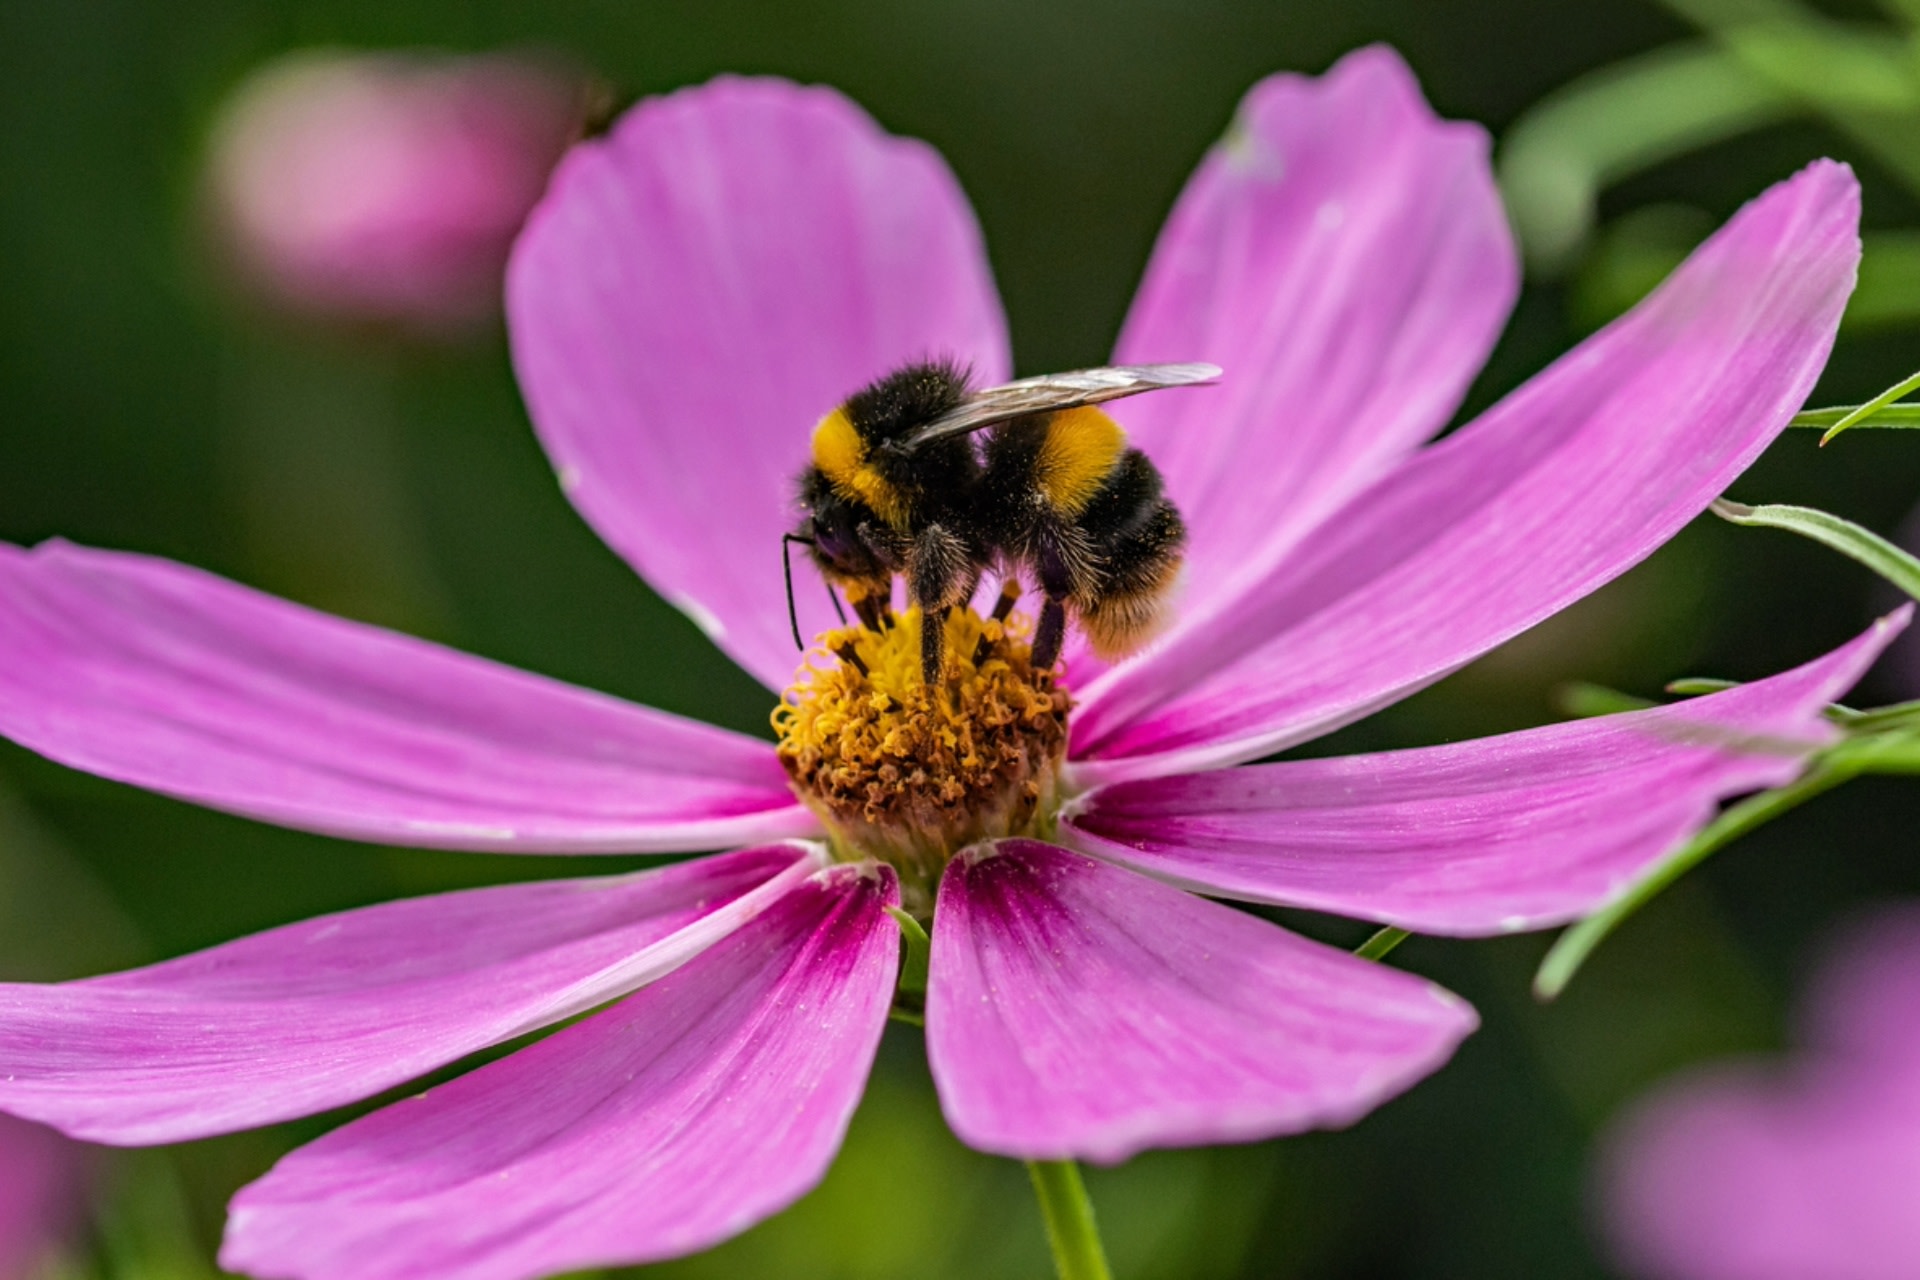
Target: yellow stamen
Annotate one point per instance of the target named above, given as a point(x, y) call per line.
point(910, 774)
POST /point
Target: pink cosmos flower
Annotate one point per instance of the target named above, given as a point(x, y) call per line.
point(386, 187)
point(40, 1193)
point(1748, 1171)
point(692, 294)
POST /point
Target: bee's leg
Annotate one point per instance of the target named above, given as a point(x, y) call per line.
point(868, 600)
point(933, 629)
point(1009, 596)
point(1050, 634)
point(870, 612)
point(940, 574)
point(1056, 566)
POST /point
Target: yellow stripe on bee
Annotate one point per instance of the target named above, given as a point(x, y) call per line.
point(1079, 453)
point(841, 455)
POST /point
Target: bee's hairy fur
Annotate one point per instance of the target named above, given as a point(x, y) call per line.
point(1056, 492)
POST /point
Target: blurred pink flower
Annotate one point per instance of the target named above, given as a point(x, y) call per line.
point(695, 290)
point(41, 1189)
point(1785, 1171)
point(386, 188)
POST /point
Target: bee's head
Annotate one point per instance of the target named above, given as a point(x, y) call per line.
point(831, 527)
point(856, 449)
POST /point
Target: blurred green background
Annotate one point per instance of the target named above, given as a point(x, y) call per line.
point(144, 409)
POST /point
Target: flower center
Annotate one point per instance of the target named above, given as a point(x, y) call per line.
point(912, 775)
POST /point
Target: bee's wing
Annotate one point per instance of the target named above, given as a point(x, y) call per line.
point(1056, 391)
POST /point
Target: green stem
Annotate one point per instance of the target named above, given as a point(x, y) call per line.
point(1862, 412)
point(1377, 947)
point(1077, 1254)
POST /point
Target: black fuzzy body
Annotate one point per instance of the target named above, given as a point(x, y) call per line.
point(1109, 563)
point(937, 547)
point(971, 505)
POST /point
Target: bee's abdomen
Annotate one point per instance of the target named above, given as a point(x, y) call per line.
point(1137, 537)
point(1077, 455)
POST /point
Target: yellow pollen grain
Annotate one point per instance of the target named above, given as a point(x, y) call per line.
point(910, 774)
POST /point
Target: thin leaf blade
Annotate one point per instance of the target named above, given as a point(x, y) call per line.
point(1844, 536)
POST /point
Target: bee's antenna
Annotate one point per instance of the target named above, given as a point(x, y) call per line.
point(838, 612)
point(786, 566)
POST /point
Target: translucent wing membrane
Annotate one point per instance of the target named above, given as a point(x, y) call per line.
point(1055, 391)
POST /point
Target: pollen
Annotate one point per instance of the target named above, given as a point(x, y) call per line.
point(911, 774)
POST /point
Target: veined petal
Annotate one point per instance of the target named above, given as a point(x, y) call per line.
point(1561, 487)
point(696, 291)
point(1520, 831)
point(1343, 255)
point(1077, 1010)
point(302, 1018)
point(661, 1126)
point(156, 674)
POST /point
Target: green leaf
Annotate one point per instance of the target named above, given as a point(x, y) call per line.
point(913, 965)
point(1377, 947)
point(1900, 715)
point(1690, 685)
point(1899, 417)
point(1871, 407)
point(1885, 753)
point(1849, 539)
point(1847, 73)
point(1615, 122)
point(1838, 68)
point(1584, 701)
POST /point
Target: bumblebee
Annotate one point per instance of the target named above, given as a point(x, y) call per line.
point(899, 485)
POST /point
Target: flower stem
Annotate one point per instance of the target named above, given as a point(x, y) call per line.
point(1077, 1253)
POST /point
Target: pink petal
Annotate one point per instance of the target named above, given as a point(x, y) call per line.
point(159, 675)
point(696, 291)
point(1811, 1168)
point(675, 1119)
point(310, 1016)
point(1561, 487)
point(42, 1194)
point(1344, 257)
point(1864, 1002)
point(1521, 831)
point(1076, 1010)
point(1735, 1173)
